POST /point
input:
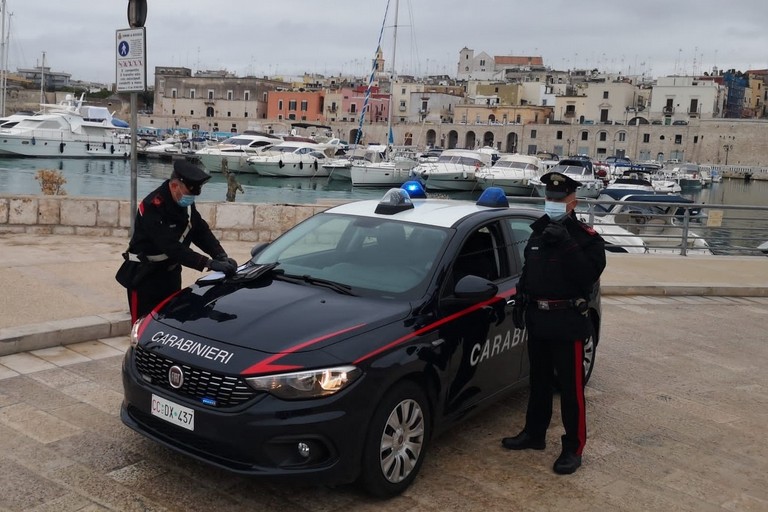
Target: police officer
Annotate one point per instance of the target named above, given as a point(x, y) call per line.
point(167, 223)
point(563, 262)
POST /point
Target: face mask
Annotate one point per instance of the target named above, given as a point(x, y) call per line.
point(185, 201)
point(555, 210)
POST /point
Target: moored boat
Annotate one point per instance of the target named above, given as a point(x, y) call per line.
point(513, 174)
point(455, 169)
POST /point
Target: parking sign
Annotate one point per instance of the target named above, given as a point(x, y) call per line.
point(131, 55)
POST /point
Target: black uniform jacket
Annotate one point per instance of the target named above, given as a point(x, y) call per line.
point(160, 223)
point(563, 270)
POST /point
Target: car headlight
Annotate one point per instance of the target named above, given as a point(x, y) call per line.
point(137, 329)
point(307, 384)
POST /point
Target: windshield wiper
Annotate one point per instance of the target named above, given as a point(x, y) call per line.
point(306, 278)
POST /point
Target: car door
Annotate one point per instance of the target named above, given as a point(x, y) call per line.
point(481, 345)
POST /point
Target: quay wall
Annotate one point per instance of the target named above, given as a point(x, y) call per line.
point(105, 217)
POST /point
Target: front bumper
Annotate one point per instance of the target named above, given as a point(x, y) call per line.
point(261, 436)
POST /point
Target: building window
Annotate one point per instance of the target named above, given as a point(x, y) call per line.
point(304, 105)
point(247, 95)
point(605, 95)
point(234, 128)
point(245, 115)
point(191, 94)
point(559, 135)
point(353, 108)
point(292, 105)
point(229, 95)
point(533, 134)
point(173, 112)
point(402, 91)
point(584, 135)
point(603, 136)
point(482, 62)
point(292, 117)
point(622, 136)
point(229, 114)
point(646, 138)
point(209, 112)
point(210, 94)
point(678, 139)
point(191, 112)
point(173, 93)
point(279, 104)
point(264, 97)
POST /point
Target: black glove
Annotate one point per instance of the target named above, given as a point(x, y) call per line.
point(555, 233)
point(229, 267)
point(223, 257)
point(518, 310)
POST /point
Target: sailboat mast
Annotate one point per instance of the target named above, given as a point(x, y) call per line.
point(392, 77)
point(42, 81)
point(2, 59)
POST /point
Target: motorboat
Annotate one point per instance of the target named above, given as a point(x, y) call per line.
point(235, 150)
point(382, 167)
point(640, 180)
point(289, 159)
point(579, 169)
point(659, 219)
point(512, 173)
point(455, 169)
point(66, 130)
point(688, 176)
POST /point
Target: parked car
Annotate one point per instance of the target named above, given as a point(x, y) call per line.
point(345, 346)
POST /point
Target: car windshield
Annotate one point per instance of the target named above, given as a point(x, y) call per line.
point(373, 256)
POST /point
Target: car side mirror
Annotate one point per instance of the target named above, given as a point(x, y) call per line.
point(475, 288)
point(256, 249)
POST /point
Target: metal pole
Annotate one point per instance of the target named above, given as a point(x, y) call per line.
point(134, 171)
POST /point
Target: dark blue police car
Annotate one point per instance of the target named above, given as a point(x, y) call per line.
point(342, 348)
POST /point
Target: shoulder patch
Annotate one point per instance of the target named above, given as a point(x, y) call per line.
point(589, 229)
point(157, 200)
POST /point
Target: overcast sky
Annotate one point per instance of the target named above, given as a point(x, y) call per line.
point(289, 37)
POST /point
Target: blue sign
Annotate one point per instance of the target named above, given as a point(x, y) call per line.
point(123, 48)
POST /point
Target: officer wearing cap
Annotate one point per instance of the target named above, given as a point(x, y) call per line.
point(563, 262)
point(167, 223)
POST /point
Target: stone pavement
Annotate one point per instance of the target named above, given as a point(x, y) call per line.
point(676, 414)
point(60, 289)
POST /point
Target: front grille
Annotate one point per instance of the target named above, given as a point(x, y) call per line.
point(217, 390)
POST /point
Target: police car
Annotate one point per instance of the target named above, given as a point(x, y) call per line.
point(343, 347)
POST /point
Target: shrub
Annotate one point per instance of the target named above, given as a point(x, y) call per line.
point(51, 182)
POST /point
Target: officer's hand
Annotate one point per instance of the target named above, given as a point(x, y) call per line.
point(518, 311)
point(223, 257)
point(229, 268)
point(555, 232)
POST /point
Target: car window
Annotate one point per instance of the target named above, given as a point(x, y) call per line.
point(520, 229)
point(483, 253)
point(380, 255)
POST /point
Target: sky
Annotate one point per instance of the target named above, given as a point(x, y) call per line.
point(289, 37)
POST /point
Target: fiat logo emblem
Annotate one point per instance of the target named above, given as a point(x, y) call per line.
point(175, 377)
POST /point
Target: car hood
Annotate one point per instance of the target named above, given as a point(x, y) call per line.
point(274, 316)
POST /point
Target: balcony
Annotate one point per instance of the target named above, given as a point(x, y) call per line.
point(668, 110)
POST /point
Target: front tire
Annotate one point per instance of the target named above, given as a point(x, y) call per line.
point(396, 442)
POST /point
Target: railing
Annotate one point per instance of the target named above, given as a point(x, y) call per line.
point(677, 228)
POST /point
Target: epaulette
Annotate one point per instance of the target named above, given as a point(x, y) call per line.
point(589, 229)
point(157, 200)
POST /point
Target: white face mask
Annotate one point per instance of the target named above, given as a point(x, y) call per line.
point(555, 210)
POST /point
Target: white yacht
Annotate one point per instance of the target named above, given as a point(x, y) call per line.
point(65, 130)
point(235, 150)
point(581, 170)
point(512, 173)
point(455, 169)
point(290, 159)
point(378, 169)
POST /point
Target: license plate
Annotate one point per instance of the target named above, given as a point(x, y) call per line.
point(173, 413)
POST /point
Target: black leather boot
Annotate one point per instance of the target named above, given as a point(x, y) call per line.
point(523, 441)
point(567, 463)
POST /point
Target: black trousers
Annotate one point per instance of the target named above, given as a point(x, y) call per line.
point(158, 286)
point(567, 358)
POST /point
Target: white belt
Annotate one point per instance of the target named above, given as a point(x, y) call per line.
point(153, 257)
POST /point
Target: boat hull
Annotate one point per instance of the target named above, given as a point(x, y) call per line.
point(41, 147)
point(379, 176)
point(281, 169)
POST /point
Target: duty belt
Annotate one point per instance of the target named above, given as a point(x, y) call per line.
point(154, 258)
point(547, 305)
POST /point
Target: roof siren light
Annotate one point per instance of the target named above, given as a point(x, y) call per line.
point(493, 197)
point(394, 201)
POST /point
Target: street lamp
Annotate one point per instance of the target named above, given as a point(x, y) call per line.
point(569, 141)
point(727, 148)
point(137, 13)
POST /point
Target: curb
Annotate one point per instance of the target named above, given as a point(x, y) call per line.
point(63, 332)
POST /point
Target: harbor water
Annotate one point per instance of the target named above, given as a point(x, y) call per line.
point(111, 179)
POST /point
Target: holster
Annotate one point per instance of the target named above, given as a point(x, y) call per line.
point(132, 273)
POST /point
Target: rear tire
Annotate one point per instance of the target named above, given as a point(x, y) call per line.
point(396, 442)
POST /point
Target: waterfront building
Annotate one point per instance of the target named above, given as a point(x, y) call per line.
point(683, 98)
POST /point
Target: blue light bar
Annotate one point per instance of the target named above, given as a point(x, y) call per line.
point(394, 201)
point(415, 189)
point(493, 197)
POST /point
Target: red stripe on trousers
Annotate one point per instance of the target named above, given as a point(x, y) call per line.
point(134, 306)
point(579, 373)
